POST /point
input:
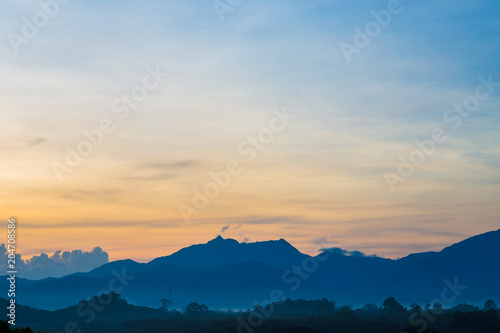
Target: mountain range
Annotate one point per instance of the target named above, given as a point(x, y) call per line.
point(224, 273)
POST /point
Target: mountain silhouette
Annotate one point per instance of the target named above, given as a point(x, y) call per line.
point(225, 273)
point(222, 252)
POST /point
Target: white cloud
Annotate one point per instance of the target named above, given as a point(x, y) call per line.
point(58, 264)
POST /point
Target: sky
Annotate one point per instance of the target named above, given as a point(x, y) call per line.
point(312, 106)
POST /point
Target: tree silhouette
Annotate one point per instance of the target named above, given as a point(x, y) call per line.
point(437, 308)
point(196, 308)
point(393, 310)
point(414, 307)
point(490, 305)
point(371, 308)
point(5, 327)
point(165, 303)
point(390, 305)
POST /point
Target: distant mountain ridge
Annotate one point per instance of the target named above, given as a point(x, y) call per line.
point(225, 273)
point(223, 252)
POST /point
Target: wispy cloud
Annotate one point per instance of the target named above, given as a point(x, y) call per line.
point(224, 228)
point(225, 78)
point(21, 143)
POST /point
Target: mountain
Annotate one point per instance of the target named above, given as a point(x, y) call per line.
point(474, 263)
point(344, 270)
point(225, 273)
point(105, 270)
point(216, 253)
point(222, 252)
point(235, 286)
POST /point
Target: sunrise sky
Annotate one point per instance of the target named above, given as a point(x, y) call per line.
point(322, 176)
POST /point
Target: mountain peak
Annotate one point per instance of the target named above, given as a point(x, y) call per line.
point(220, 240)
point(283, 241)
point(227, 251)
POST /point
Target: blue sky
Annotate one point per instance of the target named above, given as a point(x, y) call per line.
point(323, 175)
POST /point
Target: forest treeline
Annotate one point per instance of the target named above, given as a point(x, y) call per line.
point(286, 316)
